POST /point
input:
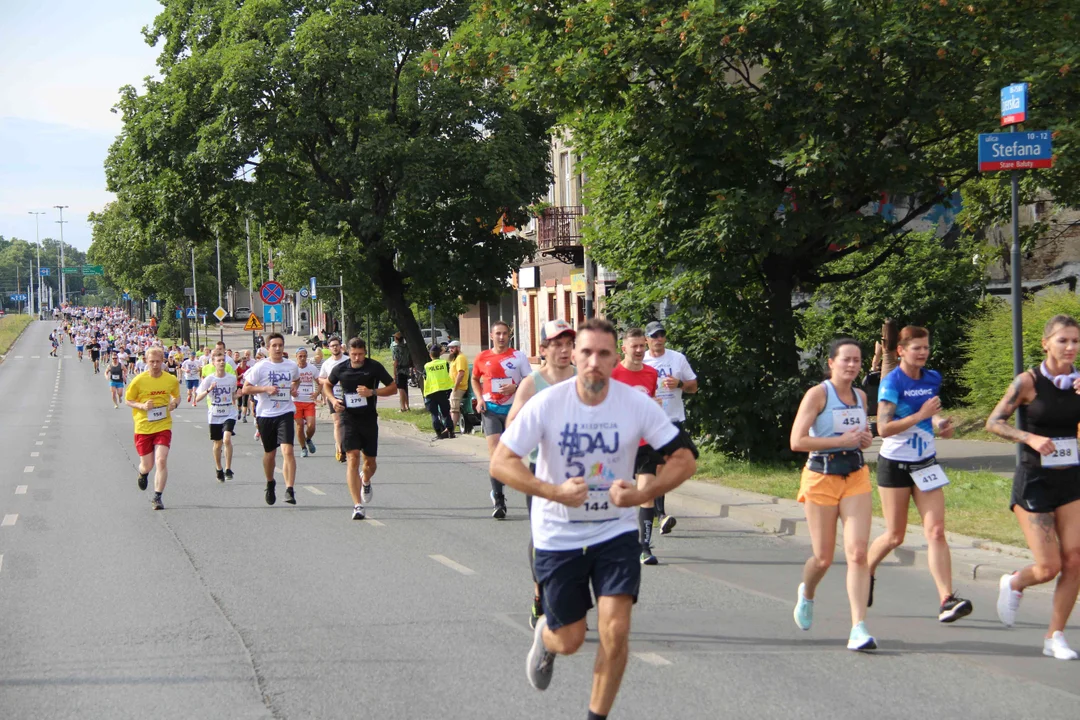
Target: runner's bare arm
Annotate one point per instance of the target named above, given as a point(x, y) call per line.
point(478, 393)
point(526, 391)
point(888, 425)
point(812, 404)
point(1020, 392)
point(386, 390)
point(507, 467)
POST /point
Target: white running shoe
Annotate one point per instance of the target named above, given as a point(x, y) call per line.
point(1056, 647)
point(1008, 601)
point(366, 491)
point(358, 512)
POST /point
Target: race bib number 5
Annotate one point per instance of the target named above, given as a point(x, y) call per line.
point(1064, 455)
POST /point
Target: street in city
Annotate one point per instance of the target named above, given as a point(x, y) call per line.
point(223, 607)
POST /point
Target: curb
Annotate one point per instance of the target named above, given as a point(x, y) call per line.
point(977, 559)
point(16, 340)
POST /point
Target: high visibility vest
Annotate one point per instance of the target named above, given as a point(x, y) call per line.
point(437, 376)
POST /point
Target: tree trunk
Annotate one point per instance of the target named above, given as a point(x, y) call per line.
point(779, 274)
point(393, 288)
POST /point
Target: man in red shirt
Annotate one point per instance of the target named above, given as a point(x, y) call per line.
point(634, 372)
point(496, 375)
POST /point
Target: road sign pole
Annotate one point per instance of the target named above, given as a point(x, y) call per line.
point(1017, 298)
point(221, 327)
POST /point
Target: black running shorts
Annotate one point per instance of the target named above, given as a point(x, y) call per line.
point(218, 430)
point(1041, 490)
point(362, 435)
point(276, 431)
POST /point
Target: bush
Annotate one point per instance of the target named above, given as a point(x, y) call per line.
point(988, 369)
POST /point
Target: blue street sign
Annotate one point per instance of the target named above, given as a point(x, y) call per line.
point(1014, 104)
point(191, 313)
point(271, 314)
point(304, 292)
point(1015, 151)
point(313, 295)
point(125, 296)
point(44, 272)
point(271, 292)
point(16, 297)
point(179, 313)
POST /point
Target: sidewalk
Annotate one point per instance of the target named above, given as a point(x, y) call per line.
point(972, 558)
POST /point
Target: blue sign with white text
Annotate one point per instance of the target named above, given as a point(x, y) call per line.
point(1015, 151)
point(1014, 104)
point(191, 313)
point(44, 272)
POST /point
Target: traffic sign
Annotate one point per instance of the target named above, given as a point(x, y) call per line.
point(191, 313)
point(179, 313)
point(71, 271)
point(314, 296)
point(271, 314)
point(1015, 151)
point(125, 296)
point(220, 313)
point(1014, 104)
point(253, 323)
point(93, 270)
point(44, 272)
point(272, 292)
point(304, 292)
point(16, 297)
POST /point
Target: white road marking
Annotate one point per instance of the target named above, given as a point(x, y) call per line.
point(17, 357)
point(652, 658)
point(35, 357)
point(443, 560)
point(513, 624)
point(1, 561)
point(197, 427)
point(39, 442)
point(21, 489)
point(313, 490)
point(41, 434)
point(376, 523)
point(35, 454)
point(28, 469)
point(8, 520)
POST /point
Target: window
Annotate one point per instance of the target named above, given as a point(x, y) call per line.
point(553, 306)
point(565, 178)
point(568, 305)
point(533, 326)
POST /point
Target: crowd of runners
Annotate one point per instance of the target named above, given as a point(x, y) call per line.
point(594, 458)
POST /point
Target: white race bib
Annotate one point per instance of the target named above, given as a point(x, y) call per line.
point(283, 394)
point(497, 384)
point(353, 400)
point(930, 478)
point(1064, 455)
point(338, 392)
point(597, 508)
point(221, 410)
point(846, 419)
point(306, 390)
point(158, 413)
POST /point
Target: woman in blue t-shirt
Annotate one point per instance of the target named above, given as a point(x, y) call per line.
point(908, 416)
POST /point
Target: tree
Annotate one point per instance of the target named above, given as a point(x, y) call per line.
point(735, 149)
point(351, 133)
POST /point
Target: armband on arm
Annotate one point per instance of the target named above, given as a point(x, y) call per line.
point(682, 440)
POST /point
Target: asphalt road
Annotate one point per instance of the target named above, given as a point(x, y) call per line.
point(223, 607)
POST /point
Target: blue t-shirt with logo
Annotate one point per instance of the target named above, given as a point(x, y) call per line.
point(908, 395)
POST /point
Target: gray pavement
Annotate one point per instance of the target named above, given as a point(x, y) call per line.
point(223, 607)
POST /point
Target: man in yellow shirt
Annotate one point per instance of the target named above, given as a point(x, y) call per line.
point(152, 396)
point(459, 373)
point(437, 386)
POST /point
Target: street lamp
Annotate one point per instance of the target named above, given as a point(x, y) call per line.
point(37, 237)
point(63, 280)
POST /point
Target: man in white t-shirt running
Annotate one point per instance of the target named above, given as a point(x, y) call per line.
point(675, 378)
point(337, 356)
point(220, 388)
point(584, 519)
point(276, 383)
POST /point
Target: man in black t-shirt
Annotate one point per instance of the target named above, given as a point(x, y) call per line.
point(359, 379)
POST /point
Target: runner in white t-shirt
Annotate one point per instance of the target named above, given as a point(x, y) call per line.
point(675, 378)
point(337, 356)
point(584, 519)
point(275, 382)
point(220, 390)
point(191, 370)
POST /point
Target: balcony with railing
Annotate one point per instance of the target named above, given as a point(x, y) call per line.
point(558, 233)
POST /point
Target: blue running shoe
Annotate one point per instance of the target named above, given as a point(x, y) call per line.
point(861, 639)
point(804, 610)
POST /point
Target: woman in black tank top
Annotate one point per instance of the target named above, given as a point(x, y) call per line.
point(1046, 487)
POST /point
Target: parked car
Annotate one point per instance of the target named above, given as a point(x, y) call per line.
point(241, 313)
point(441, 336)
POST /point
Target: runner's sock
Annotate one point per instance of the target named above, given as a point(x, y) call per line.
point(157, 495)
point(659, 502)
point(595, 716)
point(496, 487)
point(645, 519)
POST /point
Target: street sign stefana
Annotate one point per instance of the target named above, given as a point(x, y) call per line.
point(1015, 151)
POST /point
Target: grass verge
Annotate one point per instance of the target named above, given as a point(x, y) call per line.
point(971, 424)
point(11, 327)
point(977, 503)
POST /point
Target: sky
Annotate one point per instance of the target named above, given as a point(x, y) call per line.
point(62, 63)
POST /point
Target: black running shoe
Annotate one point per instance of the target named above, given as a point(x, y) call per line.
point(667, 524)
point(142, 481)
point(221, 475)
point(290, 497)
point(271, 497)
point(156, 504)
point(498, 502)
point(870, 600)
point(228, 473)
point(954, 608)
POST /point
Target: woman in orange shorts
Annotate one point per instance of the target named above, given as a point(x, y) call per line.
point(831, 425)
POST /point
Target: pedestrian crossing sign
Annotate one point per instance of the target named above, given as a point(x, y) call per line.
point(253, 323)
point(191, 313)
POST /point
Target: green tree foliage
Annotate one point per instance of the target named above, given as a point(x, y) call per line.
point(351, 133)
point(989, 368)
point(733, 147)
point(15, 258)
point(933, 283)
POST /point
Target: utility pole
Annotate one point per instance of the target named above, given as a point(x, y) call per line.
point(221, 326)
point(195, 290)
point(341, 299)
point(37, 238)
point(63, 280)
point(251, 281)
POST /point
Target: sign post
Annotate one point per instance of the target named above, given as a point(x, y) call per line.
point(1016, 151)
point(272, 293)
